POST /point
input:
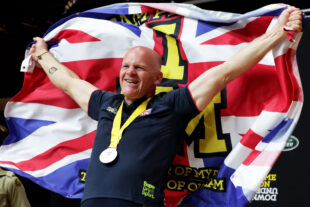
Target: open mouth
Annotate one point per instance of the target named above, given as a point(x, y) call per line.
point(131, 81)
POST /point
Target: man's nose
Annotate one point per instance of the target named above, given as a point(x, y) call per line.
point(131, 70)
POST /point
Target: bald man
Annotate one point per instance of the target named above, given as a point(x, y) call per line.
point(138, 132)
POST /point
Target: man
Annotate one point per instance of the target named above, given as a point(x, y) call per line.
point(12, 192)
point(138, 132)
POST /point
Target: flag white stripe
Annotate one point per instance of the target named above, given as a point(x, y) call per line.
point(63, 162)
point(236, 126)
point(266, 121)
point(41, 111)
point(134, 9)
point(193, 161)
point(237, 156)
point(245, 175)
point(295, 110)
point(75, 123)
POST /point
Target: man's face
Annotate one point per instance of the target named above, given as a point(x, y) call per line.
point(140, 73)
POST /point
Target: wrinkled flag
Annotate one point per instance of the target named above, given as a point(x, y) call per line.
point(229, 148)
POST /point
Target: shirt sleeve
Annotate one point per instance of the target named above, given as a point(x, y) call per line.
point(182, 102)
point(97, 99)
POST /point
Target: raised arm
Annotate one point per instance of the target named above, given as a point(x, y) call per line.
point(61, 76)
point(208, 84)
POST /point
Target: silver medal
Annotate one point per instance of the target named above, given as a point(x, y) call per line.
point(108, 155)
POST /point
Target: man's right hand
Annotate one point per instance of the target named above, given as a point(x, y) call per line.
point(38, 48)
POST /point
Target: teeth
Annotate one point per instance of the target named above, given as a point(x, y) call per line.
point(130, 81)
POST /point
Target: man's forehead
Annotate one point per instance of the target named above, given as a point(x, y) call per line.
point(145, 55)
point(141, 49)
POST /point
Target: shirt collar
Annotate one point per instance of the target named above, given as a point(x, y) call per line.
point(134, 105)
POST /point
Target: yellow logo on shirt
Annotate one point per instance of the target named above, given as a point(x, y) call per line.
point(148, 190)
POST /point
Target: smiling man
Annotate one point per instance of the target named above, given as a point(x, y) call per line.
point(138, 132)
point(137, 77)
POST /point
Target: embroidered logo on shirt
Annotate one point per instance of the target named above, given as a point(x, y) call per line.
point(148, 190)
point(146, 112)
point(112, 110)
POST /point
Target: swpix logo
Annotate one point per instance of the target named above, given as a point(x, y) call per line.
point(291, 144)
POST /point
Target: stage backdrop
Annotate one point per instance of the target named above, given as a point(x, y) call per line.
point(229, 148)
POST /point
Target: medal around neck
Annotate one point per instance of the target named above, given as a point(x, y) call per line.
point(108, 155)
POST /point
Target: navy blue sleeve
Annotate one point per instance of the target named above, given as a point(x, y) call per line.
point(96, 101)
point(182, 102)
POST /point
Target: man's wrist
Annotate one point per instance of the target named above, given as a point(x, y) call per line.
point(39, 57)
point(277, 33)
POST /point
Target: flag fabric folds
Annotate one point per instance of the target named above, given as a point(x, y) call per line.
point(229, 148)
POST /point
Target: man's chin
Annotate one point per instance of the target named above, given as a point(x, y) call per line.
point(132, 96)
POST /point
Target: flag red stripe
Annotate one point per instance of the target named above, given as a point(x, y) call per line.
point(56, 153)
point(74, 36)
point(289, 84)
point(174, 197)
point(103, 73)
point(252, 156)
point(250, 139)
point(262, 88)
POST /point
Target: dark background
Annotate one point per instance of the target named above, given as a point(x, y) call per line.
point(22, 20)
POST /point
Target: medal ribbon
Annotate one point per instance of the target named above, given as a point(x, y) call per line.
point(117, 130)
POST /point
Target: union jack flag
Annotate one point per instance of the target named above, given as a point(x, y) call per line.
point(230, 147)
point(146, 112)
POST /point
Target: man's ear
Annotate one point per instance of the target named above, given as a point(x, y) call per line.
point(159, 78)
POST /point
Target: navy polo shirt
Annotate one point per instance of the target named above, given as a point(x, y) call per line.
point(146, 149)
